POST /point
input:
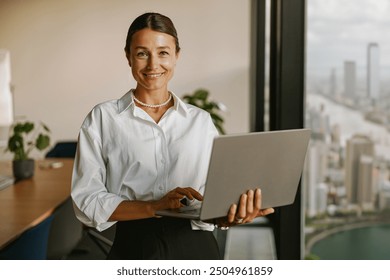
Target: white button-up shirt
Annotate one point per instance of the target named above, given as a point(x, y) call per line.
point(123, 154)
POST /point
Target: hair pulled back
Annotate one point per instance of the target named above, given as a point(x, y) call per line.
point(154, 21)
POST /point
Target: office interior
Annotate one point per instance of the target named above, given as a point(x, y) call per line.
point(67, 56)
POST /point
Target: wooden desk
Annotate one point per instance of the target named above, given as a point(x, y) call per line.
point(29, 202)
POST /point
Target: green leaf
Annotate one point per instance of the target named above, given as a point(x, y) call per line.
point(199, 99)
point(23, 127)
point(215, 105)
point(201, 94)
point(45, 127)
point(43, 141)
point(15, 142)
point(195, 103)
point(220, 128)
point(19, 128)
point(208, 107)
point(28, 127)
point(216, 117)
point(16, 146)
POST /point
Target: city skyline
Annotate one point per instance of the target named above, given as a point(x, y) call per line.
point(347, 175)
point(338, 32)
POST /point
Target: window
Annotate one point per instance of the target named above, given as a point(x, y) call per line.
point(346, 186)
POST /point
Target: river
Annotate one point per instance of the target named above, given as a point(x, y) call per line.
point(352, 122)
point(368, 243)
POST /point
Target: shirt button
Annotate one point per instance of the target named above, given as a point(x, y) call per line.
point(163, 161)
point(160, 188)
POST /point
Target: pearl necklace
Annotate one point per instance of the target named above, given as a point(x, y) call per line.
point(152, 105)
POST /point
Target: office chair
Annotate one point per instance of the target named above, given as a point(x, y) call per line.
point(66, 149)
point(31, 245)
point(67, 231)
point(103, 240)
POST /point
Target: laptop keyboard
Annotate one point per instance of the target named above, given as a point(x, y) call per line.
point(6, 181)
point(194, 209)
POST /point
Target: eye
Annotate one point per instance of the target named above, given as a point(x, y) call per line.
point(164, 53)
point(141, 54)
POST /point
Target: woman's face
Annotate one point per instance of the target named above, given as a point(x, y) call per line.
point(152, 59)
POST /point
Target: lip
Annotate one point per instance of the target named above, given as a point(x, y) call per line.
point(153, 75)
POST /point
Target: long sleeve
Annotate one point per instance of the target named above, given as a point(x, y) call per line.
point(93, 203)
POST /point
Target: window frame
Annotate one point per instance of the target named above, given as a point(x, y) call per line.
point(287, 99)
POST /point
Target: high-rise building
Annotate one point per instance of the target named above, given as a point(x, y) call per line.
point(384, 187)
point(373, 77)
point(350, 79)
point(322, 196)
point(317, 163)
point(359, 147)
point(333, 83)
point(335, 135)
point(384, 196)
point(318, 121)
point(365, 183)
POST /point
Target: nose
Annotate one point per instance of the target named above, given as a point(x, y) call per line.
point(152, 62)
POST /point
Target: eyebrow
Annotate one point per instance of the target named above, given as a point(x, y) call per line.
point(145, 48)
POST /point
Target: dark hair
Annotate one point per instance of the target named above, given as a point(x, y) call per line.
point(154, 21)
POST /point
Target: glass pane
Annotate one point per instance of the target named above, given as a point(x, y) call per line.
point(347, 175)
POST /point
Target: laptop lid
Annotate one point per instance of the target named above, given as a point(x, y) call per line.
point(271, 160)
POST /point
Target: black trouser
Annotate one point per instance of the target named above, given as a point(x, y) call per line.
point(162, 238)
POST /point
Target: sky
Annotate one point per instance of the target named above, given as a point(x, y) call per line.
point(339, 30)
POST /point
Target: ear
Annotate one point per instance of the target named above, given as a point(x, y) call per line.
point(128, 58)
point(177, 57)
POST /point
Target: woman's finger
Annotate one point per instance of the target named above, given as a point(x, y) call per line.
point(189, 192)
point(232, 213)
point(242, 206)
point(249, 208)
point(265, 212)
point(195, 194)
point(258, 198)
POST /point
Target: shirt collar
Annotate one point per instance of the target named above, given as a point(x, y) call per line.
point(179, 105)
point(127, 101)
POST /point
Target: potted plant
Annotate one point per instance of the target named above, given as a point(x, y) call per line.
point(199, 98)
point(25, 138)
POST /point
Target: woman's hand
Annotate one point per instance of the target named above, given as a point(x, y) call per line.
point(133, 210)
point(248, 209)
point(172, 200)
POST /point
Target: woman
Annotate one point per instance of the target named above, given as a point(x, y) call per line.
point(148, 151)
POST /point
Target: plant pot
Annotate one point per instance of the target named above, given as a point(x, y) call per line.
point(23, 169)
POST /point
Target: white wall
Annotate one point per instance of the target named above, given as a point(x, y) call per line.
point(67, 56)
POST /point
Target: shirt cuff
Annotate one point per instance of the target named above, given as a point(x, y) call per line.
point(200, 225)
point(104, 209)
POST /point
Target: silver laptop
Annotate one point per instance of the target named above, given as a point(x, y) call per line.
point(272, 161)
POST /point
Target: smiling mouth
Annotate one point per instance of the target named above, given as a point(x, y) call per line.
point(153, 75)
